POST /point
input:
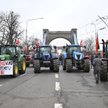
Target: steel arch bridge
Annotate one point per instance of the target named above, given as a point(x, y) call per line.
point(71, 36)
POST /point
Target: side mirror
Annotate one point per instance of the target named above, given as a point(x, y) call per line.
point(64, 47)
point(24, 55)
point(55, 47)
point(84, 46)
point(34, 47)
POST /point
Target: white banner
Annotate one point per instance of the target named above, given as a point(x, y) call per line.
point(6, 67)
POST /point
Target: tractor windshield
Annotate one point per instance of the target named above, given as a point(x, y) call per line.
point(106, 47)
point(7, 50)
point(73, 48)
point(45, 49)
point(106, 50)
point(53, 50)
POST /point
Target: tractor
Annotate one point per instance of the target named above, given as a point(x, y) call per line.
point(12, 60)
point(46, 56)
point(104, 71)
point(73, 57)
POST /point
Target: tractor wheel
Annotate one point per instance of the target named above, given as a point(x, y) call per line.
point(15, 71)
point(64, 65)
point(56, 65)
point(69, 65)
point(36, 66)
point(23, 67)
point(104, 72)
point(86, 66)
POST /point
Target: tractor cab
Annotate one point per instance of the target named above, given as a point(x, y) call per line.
point(9, 51)
point(74, 51)
point(105, 49)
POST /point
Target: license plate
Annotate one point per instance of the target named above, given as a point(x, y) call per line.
point(46, 61)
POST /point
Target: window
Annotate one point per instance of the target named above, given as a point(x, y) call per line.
point(73, 48)
point(45, 49)
point(8, 50)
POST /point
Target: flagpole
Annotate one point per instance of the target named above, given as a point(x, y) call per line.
point(96, 39)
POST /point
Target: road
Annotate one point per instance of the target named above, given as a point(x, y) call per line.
point(53, 90)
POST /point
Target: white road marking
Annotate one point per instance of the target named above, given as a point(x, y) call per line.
point(58, 105)
point(57, 86)
point(56, 75)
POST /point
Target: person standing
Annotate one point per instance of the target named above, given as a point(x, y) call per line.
point(97, 62)
point(60, 59)
point(91, 58)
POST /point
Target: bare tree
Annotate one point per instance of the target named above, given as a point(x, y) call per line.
point(33, 41)
point(1, 30)
point(10, 27)
point(90, 44)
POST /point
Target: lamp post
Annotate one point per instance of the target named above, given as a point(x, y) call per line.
point(27, 26)
point(95, 29)
point(102, 19)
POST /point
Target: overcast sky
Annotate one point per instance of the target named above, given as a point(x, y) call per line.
point(58, 14)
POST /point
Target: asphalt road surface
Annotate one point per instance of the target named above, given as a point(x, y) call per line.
point(53, 90)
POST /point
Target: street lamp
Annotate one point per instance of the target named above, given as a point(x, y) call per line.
point(95, 28)
point(102, 19)
point(96, 36)
point(27, 26)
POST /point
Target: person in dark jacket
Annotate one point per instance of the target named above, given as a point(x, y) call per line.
point(97, 62)
point(92, 57)
point(60, 59)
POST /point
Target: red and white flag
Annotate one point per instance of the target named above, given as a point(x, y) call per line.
point(97, 43)
point(17, 41)
point(82, 43)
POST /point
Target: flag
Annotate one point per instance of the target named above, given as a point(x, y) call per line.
point(97, 44)
point(25, 48)
point(82, 43)
point(17, 41)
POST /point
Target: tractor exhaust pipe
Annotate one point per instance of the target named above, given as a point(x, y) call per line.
point(103, 52)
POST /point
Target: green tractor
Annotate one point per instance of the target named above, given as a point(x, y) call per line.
point(12, 60)
point(104, 71)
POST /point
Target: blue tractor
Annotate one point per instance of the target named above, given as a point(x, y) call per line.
point(46, 56)
point(73, 57)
